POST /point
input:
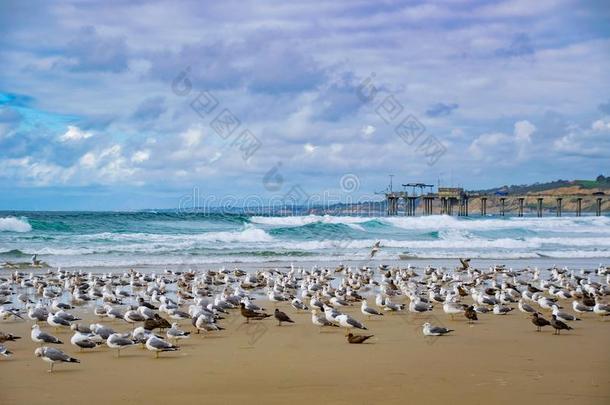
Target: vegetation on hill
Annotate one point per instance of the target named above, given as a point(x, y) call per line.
point(601, 182)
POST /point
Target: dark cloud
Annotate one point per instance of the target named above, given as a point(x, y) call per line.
point(604, 107)
point(150, 109)
point(520, 46)
point(441, 109)
point(91, 52)
point(262, 64)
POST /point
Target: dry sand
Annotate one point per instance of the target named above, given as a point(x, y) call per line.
point(499, 360)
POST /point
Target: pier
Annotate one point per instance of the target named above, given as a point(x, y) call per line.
point(456, 201)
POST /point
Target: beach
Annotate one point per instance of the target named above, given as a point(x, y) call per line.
point(500, 359)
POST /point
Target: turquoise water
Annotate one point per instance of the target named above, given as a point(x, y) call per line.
point(115, 239)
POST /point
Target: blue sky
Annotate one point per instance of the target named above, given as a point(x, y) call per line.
point(95, 115)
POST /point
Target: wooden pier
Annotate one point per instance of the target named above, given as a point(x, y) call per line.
point(456, 201)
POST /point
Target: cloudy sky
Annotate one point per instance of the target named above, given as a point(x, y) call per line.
point(133, 104)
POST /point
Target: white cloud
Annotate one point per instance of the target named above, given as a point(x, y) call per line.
point(192, 137)
point(309, 148)
point(600, 125)
point(88, 160)
point(140, 156)
point(368, 130)
point(75, 134)
point(523, 131)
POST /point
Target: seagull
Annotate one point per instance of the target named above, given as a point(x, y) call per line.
point(133, 316)
point(357, 339)
point(558, 325)
point(539, 321)
point(176, 333)
point(368, 311)
point(154, 344)
point(471, 314)
point(465, 264)
point(100, 330)
point(580, 307)
point(38, 336)
point(452, 308)
point(57, 321)
point(563, 315)
point(4, 351)
point(53, 355)
point(281, 317)
point(203, 322)
point(248, 313)
point(77, 327)
point(430, 330)
point(348, 322)
point(83, 341)
point(501, 310)
point(118, 341)
point(525, 307)
point(376, 248)
point(37, 314)
point(388, 305)
point(8, 337)
point(320, 320)
point(601, 309)
point(298, 304)
point(418, 307)
point(6, 313)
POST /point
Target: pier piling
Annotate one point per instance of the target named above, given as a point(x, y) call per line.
point(483, 206)
point(578, 206)
point(521, 199)
point(539, 207)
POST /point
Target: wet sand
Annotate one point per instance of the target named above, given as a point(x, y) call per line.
point(499, 360)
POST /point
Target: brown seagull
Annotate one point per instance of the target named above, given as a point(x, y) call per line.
point(539, 321)
point(357, 339)
point(558, 325)
point(281, 317)
point(248, 313)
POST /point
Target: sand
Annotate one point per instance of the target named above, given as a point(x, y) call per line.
point(499, 360)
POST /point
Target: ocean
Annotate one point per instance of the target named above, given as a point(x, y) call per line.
point(169, 239)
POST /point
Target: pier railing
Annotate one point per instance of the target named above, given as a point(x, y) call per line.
point(459, 203)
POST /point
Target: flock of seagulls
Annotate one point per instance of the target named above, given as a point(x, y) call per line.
point(159, 308)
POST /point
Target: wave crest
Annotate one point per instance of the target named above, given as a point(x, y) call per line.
point(13, 224)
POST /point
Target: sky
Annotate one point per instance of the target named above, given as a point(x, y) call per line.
point(123, 105)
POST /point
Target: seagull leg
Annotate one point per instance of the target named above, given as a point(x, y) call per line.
point(156, 355)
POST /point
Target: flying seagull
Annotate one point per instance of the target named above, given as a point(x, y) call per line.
point(376, 248)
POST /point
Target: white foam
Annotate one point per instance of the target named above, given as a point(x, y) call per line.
point(12, 224)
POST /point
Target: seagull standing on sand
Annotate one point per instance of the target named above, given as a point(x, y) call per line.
point(558, 325)
point(539, 321)
point(176, 333)
point(368, 311)
point(40, 337)
point(320, 320)
point(118, 341)
point(154, 344)
point(430, 330)
point(281, 317)
point(346, 321)
point(580, 307)
point(53, 355)
point(83, 341)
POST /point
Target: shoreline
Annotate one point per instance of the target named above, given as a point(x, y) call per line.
point(450, 263)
